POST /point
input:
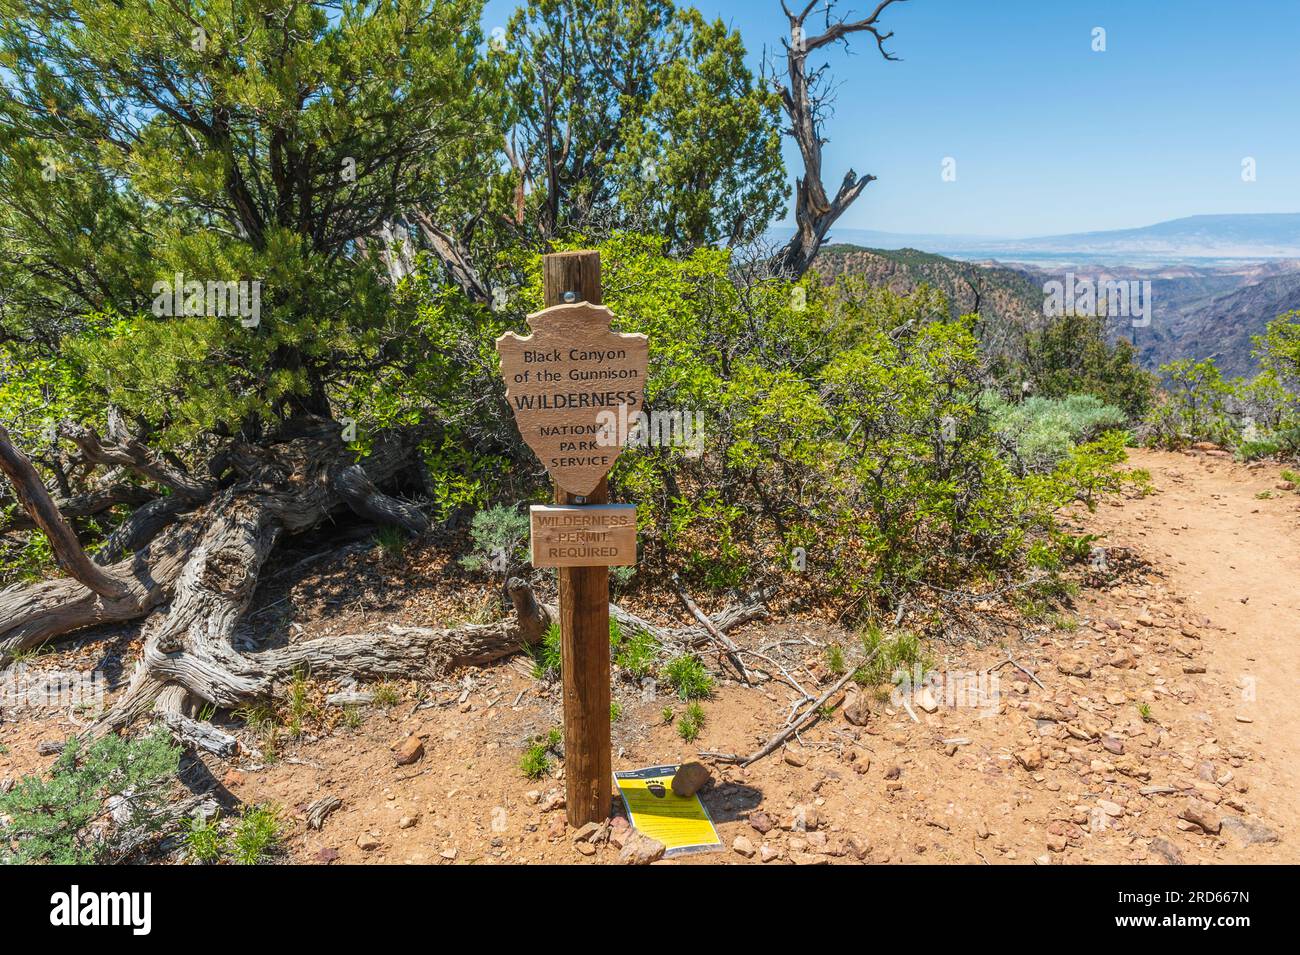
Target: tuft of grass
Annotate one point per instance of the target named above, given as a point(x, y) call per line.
point(835, 659)
point(299, 706)
point(1144, 711)
point(257, 834)
point(386, 694)
point(391, 540)
point(546, 655)
point(901, 652)
point(667, 714)
point(204, 841)
point(536, 760)
point(1264, 496)
point(636, 656)
point(691, 722)
point(689, 677)
point(351, 717)
point(615, 711)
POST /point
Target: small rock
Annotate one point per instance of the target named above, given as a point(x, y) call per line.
point(1071, 664)
point(327, 855)
point(588, 832)
point(761, 822)
point(804, 818)
point(586, 849)
point(407, 822)
point(926, 701)
point(1112, 745)
point(367, 843)
point(856, 710)
point(1203, 814)
point(690, 779)
point(449, 854)
point(1031, 757)
point(408, 751)
point(50, 747)
point(1248, 833)
point(640, 849)
point(1166, 850)
point(1123, 659)
point(766, 853)
point(742, 846)
point(795, 757)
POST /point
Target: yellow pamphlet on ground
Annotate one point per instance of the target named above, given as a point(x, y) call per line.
point(681, 823)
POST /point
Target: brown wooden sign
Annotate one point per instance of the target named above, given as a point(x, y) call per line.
point(570, 383)
point(584, 535)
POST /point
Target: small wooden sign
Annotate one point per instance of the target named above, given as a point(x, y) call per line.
point(584, 535)
point(573, 384)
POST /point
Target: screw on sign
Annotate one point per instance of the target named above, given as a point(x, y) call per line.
point(565, 381)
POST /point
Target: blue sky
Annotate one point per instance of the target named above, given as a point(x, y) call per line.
point(1049, 136)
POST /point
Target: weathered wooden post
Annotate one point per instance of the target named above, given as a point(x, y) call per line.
point(568, 383)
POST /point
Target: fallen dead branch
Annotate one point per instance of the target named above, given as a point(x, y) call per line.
point(797, 724)
point(729, 648)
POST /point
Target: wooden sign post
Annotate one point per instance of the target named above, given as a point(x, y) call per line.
point(560, 380)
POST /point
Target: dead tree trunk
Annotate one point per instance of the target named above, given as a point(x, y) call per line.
point(814, 210)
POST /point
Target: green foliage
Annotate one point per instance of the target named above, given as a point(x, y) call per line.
point(497, 536)
point(835, 659)
point(1259, 417)
point(204, 840)
point(691, 722)
point(145, 140)
point(546, 655)
point(1092, 469)
point(386, 695)
point(391, 540)
point(52, 817)
point(1193, 408)
point(887, 656)
point(257, 834)
point(636, 655)
point(615, 711)
point(689, 677)
point(536, 760)
point(1071, 355)
point(1042, 430)
point(689, 148)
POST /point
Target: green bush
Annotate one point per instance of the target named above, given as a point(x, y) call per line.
point(497, 537)
point(1043, 430)
point(257, 834)
point(52, 817)
point(688, 677)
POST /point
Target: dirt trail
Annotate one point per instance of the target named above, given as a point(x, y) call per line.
point(1235, 557)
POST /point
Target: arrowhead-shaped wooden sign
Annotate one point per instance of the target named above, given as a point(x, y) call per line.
point(574, 386)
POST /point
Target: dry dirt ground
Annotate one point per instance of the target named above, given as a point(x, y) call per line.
point(1164, 729)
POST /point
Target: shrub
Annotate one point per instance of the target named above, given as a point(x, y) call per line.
point(691, 722)
point(1043, 430)
point(51, 818)
point(204, 840)
point(689, 677)
point(497, 536)
point(637, 655)
point(257, 834)
point(536, 760)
